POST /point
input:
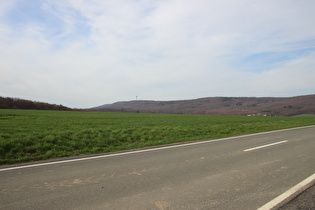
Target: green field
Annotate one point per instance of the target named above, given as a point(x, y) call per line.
point(27, 135)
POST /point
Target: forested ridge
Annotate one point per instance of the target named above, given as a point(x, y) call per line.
point(17, 103)
point(263, 106)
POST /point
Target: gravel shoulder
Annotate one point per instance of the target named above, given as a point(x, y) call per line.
point(305, 200)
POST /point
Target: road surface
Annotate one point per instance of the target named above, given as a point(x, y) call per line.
point(243, 172)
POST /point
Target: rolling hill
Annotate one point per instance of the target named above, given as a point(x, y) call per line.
point(264, 106)
point(17, 103)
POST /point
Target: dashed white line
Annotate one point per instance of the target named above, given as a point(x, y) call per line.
point(263, 146)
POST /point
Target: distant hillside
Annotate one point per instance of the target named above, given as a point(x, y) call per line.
point(16, 103)
point(269, 106)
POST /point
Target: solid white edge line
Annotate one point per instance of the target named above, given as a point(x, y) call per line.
point(290, 194)
point(263, 146)
point(148, 150)
point(117, 154)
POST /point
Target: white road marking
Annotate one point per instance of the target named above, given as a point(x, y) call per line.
point(122, 153)
point(263, 146)
point(290, 194)
point(147, 150)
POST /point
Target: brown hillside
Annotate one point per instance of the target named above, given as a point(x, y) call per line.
point(269, 106)
point(17, 103)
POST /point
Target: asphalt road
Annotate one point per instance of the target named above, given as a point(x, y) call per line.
point(243, 172)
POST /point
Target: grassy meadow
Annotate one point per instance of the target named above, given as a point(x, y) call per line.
point(28, 135)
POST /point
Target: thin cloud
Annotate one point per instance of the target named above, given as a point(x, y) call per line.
point(81, 53)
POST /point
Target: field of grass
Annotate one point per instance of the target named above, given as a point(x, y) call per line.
point(27, 135)
point(305, 115)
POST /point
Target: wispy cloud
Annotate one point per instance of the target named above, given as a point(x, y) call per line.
point(85, 53)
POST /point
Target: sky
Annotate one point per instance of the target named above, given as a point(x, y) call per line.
point(83, 54)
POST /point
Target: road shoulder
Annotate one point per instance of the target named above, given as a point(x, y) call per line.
point(289, 195)
point(306, 200)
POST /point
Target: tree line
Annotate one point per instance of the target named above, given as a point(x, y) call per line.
point(17, 103)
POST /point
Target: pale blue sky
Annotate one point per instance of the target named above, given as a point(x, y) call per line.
point(87, 53)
